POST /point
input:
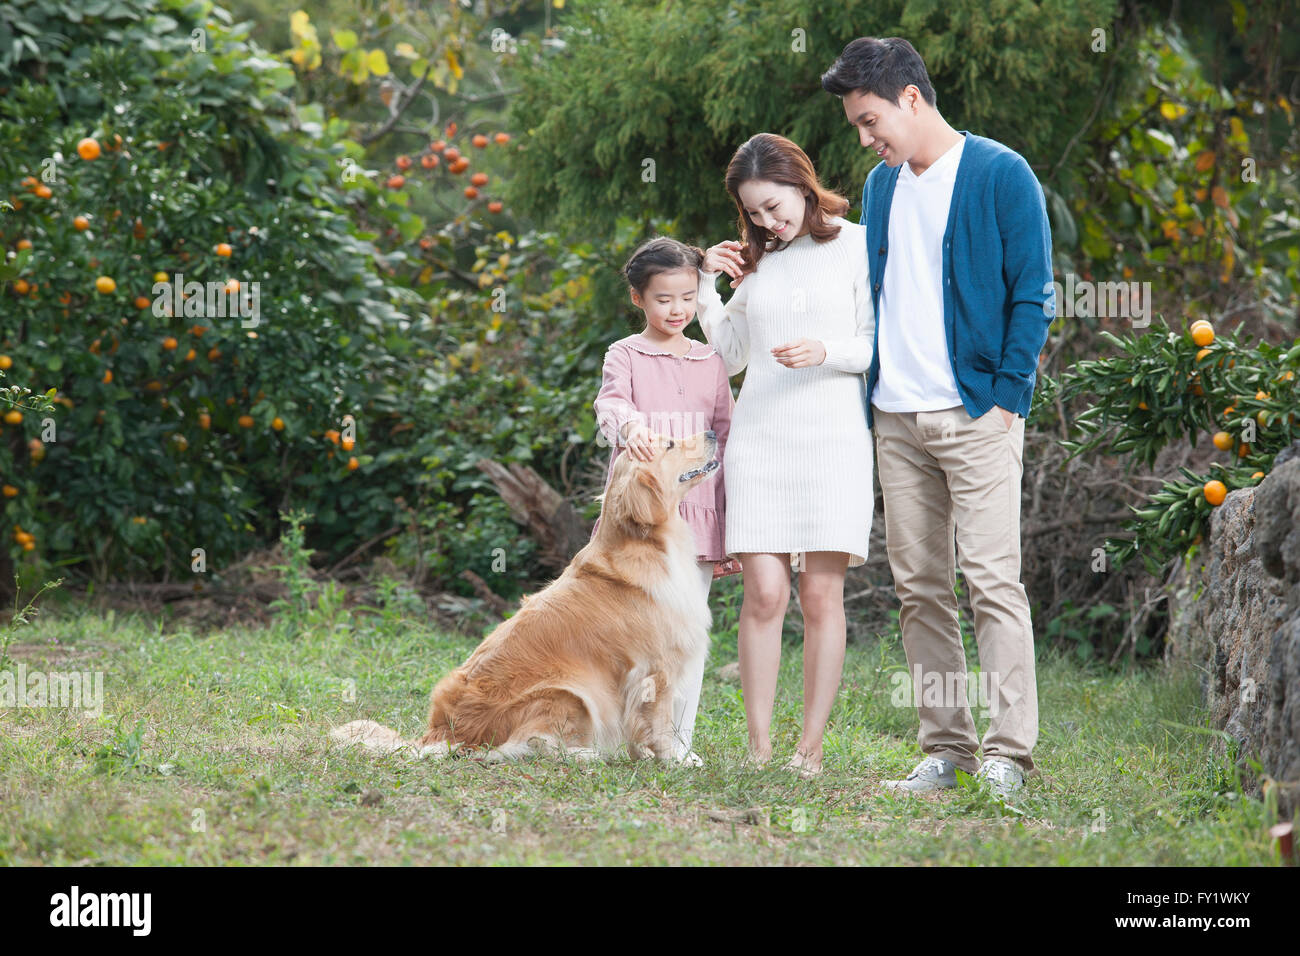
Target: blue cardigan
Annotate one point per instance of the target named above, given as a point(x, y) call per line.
point(997, 274)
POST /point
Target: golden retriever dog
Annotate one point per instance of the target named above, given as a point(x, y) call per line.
point(590, 662)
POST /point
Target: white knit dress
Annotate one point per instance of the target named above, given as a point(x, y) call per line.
point(798, 468)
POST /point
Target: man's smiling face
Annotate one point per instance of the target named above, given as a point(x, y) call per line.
point(886, 128)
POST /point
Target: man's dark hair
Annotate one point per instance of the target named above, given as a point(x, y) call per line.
point(883, 66)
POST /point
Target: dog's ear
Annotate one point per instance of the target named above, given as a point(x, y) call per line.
point(646, 500)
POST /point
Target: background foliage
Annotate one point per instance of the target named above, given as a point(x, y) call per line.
point(436, 200)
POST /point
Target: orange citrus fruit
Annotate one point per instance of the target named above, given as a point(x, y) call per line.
point(1215, 491)
point(88, 149)
point(10, 491)
point(81, 223)
point(23, 244)
point(353, 464)
point(224, 250)
point(6, 362)
point(1258, 474)
point(105, 285)
point(13, 417)
point(205, 420)
point(348, 444)
point(245, 421)
point(170, 343)
point(277, 423)
point(1222, 441)
point(1203, 334)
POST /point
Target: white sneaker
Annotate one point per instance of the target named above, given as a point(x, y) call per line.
point(689, 758)
point(932, 773)
point(1001, 775)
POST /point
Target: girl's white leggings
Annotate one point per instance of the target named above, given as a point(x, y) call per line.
point(686, 701)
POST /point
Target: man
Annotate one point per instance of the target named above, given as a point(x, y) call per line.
point(959, 250)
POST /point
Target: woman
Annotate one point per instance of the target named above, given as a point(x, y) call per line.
point(798, 470)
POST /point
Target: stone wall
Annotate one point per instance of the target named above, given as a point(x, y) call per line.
point(1235, 616)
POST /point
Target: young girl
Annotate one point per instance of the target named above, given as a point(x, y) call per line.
point(798, 471)
point(659, 382)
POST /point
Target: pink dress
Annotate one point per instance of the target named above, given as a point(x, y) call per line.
point(677, 396)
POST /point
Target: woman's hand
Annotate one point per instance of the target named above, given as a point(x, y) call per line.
point(641, 443)
point(725, 257)
point(800, 353)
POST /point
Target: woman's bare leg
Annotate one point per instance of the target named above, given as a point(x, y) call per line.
point(821, 594)
point(762, 612)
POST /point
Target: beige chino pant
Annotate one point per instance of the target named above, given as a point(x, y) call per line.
point(942, 471)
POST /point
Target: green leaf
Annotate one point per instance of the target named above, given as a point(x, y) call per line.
point(378, 63)
point(344, 39)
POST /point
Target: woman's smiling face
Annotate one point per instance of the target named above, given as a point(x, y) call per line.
point(776, 207)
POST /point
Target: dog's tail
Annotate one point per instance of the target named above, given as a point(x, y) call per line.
point(375, 736)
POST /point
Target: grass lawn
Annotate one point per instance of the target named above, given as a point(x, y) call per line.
point(214, 749)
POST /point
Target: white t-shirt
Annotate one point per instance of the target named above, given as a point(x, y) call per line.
point(915, 370)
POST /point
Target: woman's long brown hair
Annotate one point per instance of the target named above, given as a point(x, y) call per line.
point(771, 157)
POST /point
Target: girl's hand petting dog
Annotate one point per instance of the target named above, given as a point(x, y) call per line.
point(641, 443)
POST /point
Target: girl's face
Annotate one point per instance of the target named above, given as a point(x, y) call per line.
point(776, 207)
point(669, 301)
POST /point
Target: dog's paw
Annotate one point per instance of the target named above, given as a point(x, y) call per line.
point(638, 752)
